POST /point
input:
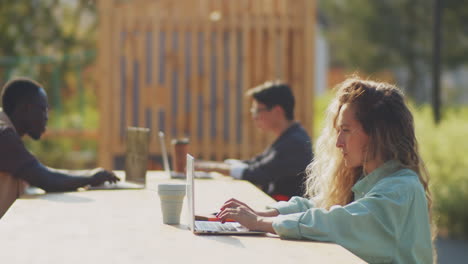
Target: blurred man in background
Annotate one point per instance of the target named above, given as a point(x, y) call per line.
point(280, 169)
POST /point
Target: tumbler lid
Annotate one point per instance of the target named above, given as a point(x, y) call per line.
point(180, 141)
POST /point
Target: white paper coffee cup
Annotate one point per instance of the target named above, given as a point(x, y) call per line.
point(172, 200)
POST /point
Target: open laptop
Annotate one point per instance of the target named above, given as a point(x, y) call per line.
point(120, 185)
point(208, 227)
point(167, 168)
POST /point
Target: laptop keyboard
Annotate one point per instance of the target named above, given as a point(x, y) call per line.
point(214, 226)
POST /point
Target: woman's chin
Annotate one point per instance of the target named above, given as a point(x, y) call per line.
point(350, 165)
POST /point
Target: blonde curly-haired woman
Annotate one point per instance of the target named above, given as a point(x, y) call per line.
point(367, 186)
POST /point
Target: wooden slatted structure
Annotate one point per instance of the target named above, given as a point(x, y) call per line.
point(183, 66)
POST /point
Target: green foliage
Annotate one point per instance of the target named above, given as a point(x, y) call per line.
point(70, 152)
point(78, 113)
point(46, 27)
point(50, 41)
point(443, 148)
point(45, 40)
point(375, 36)
point(65, 153)
point(320, 108)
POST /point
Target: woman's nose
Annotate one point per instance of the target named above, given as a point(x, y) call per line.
point(339, 141)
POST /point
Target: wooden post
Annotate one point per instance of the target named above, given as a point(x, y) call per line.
point(104, 83)
point(157, 88)
point(309, 64)
point(194, 87)
point(232, 29)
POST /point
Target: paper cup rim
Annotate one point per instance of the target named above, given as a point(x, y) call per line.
point(171, 187)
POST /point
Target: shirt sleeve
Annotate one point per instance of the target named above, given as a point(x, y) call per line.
point(255, 159)
point(295, 205)
point(13, 154)
point(237, 170)
point(368, 227)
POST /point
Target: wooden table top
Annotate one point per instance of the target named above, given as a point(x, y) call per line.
point(125, 226)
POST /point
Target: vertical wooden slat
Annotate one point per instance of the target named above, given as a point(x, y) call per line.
point(104, 83)
point(162, 68)
point(301, 86)
point(179, 21)
point(110, 116)
point(154, 105)
point(267, 8)
point(271, 43)
point(256, 7)
point(207, 29)
point(130, 55)
point(140, 39)
point(283, 29)
point(247, 71)
point(179, 68)
point(166, 85)
point(194, 84)
point(219, 51)
point(297, 61)
point(111, 88)
point(159, 52)
point(258, 136)
point(232, 73)
point(116, 64)
point(309, 51)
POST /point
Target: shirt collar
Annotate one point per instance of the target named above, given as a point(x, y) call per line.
point(288, 130)
point(366, 183)
point(6, 120)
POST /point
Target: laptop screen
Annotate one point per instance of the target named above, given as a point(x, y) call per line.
point(190, 192)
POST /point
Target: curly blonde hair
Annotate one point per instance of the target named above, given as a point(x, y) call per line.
point(386, 119)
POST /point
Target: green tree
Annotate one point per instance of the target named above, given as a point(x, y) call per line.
point(45, 40)
point(48, 28)
point(395, 34)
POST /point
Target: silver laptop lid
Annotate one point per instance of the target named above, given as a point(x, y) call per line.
point(165, 157)
point(190, 192)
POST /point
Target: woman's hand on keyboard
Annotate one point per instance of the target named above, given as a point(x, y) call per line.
point(246, 216)
point(234, 203)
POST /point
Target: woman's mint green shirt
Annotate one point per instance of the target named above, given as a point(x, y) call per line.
point(388, 222)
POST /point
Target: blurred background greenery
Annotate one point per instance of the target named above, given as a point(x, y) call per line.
point(54, 42)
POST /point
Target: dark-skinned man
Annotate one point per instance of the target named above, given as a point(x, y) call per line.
point(25, 112)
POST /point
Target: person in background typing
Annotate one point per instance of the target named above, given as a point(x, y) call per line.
point(367, 187)
point(25, 112)
point(280, 169)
